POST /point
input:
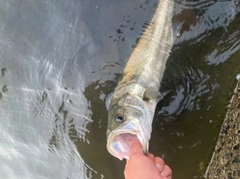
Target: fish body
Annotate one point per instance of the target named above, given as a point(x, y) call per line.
point(133, 103)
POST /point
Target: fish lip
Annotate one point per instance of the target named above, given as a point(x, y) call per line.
point(138, 132)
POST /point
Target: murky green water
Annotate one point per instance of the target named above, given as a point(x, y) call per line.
point(59, 61)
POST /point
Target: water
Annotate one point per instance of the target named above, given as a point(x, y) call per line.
point(61, 59)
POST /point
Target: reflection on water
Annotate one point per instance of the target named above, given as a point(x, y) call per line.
point(60, 60)
point(43, 109)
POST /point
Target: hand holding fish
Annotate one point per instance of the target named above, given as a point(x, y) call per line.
point(140, 166)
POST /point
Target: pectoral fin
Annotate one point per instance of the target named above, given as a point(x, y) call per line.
point(151, 93)
point(108, 100)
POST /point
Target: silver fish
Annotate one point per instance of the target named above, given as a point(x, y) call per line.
point(133, 103)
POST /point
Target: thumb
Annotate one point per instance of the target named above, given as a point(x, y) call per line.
point(136, 148)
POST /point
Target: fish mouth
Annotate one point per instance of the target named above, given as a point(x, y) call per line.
point(119, 141)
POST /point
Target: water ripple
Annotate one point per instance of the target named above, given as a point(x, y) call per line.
point(203, 4)
point(225, 48)
point(198, 18)
point(42, 103)
point(195, 85)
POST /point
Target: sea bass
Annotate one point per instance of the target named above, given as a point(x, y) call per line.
point(133, 103)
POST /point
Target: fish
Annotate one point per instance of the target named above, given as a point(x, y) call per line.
point(132, 104)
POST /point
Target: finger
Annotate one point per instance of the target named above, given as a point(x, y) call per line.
point(136, 147)
point(131, 141)
point(159, 163)
point(151, 156)
point(126, 163)
point(167, 172)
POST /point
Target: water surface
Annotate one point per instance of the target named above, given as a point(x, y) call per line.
point(59, 61)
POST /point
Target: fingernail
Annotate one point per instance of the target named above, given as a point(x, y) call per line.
point(163, 173)
point(160, 167)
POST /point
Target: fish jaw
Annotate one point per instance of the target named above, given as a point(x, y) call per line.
point(119, 140)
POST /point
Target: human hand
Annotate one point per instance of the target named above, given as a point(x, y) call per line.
point(140, 166)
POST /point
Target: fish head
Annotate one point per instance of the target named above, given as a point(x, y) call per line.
point(126, 122)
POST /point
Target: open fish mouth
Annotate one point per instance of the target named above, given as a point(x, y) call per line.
point(119, 140)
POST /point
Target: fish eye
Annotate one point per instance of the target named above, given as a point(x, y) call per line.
point(119, 118)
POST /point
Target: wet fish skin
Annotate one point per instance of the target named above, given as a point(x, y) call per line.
point(134, 100)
